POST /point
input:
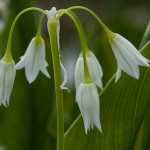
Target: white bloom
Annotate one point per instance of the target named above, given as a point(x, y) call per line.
point(7, 77)
point(51, 15)
point(94, 67)
point(88, 100)
point(34, 59)
point(128, 57)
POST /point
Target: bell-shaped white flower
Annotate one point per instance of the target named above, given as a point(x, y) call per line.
point(88, 100)
point(7, 77)
point(128, 57)
point(94, 67)
point(34, 59)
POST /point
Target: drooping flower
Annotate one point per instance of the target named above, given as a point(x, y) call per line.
point(7, 77)
point(88, 100)
point(34, 59)
point(51, 15)
point(94, 67)
point(128, 57)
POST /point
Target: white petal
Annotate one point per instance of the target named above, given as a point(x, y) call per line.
point(125, 62)
point(41, 63)
point(30, 69)
point(135, 54)
point(10, 73)
point(20, 64)
point(131, 61)
point(118, 75)
point(34, 60)
point(65, 77)
point(88, 101)
point(28, 54)
point(79, 72)
point(98, 66)
point(51, 13)
point(95, 70)
point(84, 105)
point(2, 81)
point(44, 70)
point(96, 110)
point(7, 73)
point(128, 57)
point(24, 60)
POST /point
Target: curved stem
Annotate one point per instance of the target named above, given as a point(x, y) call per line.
point(110, 34)
point(40, 25)
point(84, 46)
point(8, 49)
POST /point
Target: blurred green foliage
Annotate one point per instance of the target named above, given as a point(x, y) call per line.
point(29, 122)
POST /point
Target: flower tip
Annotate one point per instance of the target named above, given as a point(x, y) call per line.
point(86, 131)
point(5, 103)
point(30, 80)
point(65, 88)
point(148, 65)
point(99, 128)
point(137, 77)
point(51, 12)
point(116, 80)
point(101, 87)
point(117, 77)
point(53, 9)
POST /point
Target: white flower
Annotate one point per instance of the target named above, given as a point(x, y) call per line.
point(88, 100)
point(7, 77)
point(128, 57)
point(51, 15)
point(94, 67)
point(34, 59)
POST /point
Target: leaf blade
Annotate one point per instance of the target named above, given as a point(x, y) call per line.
point(122, 109)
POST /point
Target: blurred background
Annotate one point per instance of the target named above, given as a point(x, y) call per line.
point(29, 122)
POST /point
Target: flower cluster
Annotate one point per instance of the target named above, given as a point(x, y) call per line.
point(128, 59)
point(87, 95)
point(88, 71)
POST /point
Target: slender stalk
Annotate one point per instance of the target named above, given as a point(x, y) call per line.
point(84, 46)
point(40, 25)
point(110, 34)
point(8, 49)
point(52, 27)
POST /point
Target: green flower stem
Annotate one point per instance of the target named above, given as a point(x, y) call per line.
point(52, 28)
point(40, 25)
point(87, 77)
point(8, 49)
point(109, 33)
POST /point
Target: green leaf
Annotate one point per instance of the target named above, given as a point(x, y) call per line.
point(124, 116)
